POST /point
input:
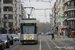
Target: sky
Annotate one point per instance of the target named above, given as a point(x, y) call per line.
point(41, 15)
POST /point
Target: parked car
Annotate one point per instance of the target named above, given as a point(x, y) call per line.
point(15, 37)
point(48, 33)
point(39, 33)
point(5, 39)
point(11, 39)
point(2, 45)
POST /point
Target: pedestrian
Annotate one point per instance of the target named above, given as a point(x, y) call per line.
point(74, 36)
point(53, 36)
point(62, 33)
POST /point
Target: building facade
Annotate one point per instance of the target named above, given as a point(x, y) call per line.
point(69, 15)
point(65, 16)
point(12, 10)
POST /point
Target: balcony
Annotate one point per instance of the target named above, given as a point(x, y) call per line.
point(9, 5)
point(65, 26)
point(70, 18)
point(65, 10)
point(10, 12)
point(9, 20)
point(70, 8)
point(65, 18)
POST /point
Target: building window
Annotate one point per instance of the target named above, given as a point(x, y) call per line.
point(9, 16)
point(8, 1)
point(0, 10)
point(71, 23)
point(72, 4)
point(9, 9)
point(10, 24)
point(71, 13)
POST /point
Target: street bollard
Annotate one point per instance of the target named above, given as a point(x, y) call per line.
point(58, 37)
point(70, 36)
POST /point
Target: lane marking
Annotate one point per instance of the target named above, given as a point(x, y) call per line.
point(14, 47)
point(40, 45)
point(48, 44)
point(54, 44)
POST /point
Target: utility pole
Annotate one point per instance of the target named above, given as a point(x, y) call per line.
point(16, 16)
point(7, 23)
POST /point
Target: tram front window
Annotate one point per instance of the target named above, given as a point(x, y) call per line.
point(28, 29)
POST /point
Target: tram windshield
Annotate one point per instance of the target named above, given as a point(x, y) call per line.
point(28, 29)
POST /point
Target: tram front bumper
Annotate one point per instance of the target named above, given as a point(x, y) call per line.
point(28, 41)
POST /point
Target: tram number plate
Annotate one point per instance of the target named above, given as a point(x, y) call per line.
point(28, 38)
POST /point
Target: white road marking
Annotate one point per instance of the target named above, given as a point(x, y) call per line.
point(40, 45)
point(54, 44)
point(48, 44)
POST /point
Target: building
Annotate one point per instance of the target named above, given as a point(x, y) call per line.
point(65, 16)
point(69, 15)
point(54, 17)
point(17, 14)
point(23, 13)
point(12, 9)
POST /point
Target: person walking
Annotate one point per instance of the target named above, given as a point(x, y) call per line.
point(53, 36)
point(74, 36)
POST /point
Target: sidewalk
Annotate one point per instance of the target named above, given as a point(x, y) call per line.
point(65, 38)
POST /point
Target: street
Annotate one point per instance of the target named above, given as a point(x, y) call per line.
point(45, 43)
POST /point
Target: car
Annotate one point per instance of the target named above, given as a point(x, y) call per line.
point(2, 45)
point(48, 33)
point(5, 39)
point(39, 33)
point(11, 39)
point(15, 37)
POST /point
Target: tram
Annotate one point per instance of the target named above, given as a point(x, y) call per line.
point(28, 31)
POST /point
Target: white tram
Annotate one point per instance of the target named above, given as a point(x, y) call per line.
point(28, 31)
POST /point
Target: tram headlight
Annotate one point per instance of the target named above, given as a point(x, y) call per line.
point(25, 38)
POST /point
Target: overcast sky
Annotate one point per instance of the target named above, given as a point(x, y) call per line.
point(41, 15)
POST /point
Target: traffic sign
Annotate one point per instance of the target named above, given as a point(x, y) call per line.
point(63, 28)
point(62, 16)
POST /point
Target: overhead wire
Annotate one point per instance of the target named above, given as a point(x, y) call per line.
point(32, 11)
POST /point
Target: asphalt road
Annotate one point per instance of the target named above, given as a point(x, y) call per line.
point(45, 43)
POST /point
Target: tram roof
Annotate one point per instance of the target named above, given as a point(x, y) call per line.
point(26, 20)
